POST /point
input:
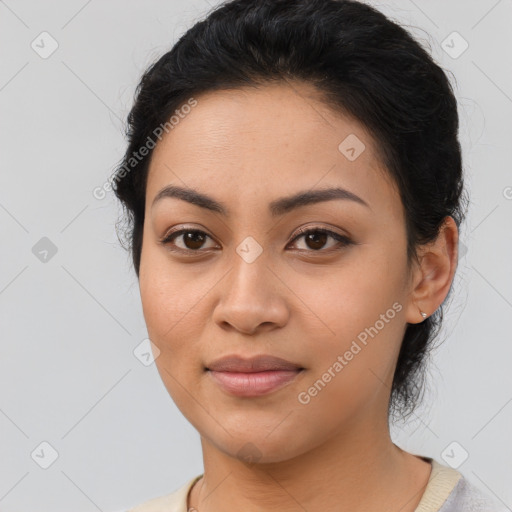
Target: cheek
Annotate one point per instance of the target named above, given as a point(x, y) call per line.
point(165, 313)
point(357, 314)
point(171, 314)
point(345, 300)
point(170, 296)
point(351, 372)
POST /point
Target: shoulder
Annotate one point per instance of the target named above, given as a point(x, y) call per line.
point(173, 502)
point(448, 491)
point(467, 497)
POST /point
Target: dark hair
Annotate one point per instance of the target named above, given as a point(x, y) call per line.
point(364, 65)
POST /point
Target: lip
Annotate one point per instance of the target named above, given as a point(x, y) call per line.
point(261, 363)
point(255, 376)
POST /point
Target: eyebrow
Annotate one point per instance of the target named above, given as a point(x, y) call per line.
point(278, 207)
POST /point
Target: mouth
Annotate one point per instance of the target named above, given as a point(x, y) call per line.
point(253, 377)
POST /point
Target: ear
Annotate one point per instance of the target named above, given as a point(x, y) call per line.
point(433, 277)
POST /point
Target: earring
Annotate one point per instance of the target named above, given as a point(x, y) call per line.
point(424, 315)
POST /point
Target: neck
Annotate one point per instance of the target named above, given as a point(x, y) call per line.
point(356, 470)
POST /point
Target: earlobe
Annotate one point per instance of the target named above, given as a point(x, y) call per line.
point(437, 265)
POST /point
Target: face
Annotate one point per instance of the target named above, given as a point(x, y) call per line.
point(240, 277)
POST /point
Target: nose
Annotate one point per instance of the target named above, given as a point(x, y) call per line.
point(252, 298)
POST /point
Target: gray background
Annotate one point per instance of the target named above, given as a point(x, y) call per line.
point(70, 323)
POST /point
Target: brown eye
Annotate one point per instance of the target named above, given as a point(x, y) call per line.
point(192, 239)
point(317, 238)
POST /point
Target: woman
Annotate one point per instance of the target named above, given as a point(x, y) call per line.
point(293, 186)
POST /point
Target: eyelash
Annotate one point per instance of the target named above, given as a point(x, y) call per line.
point(341, 239)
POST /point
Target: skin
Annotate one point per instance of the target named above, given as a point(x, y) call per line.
point(303, 302)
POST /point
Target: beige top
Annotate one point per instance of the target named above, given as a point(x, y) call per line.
point(446, 491)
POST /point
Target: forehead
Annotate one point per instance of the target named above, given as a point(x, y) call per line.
point(255, 143)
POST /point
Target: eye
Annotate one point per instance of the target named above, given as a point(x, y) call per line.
point(192, 240)
point(316, 238)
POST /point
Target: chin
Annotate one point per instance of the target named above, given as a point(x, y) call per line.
point(257, 447)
